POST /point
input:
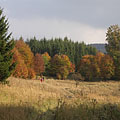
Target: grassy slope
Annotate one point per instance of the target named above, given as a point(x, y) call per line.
point(33, 100)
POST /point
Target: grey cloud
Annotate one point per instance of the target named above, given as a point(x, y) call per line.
point(97, 13)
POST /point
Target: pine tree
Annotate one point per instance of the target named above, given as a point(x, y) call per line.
point(6, 46)
point(74, 50)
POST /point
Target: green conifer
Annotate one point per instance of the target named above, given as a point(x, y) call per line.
point(6, 46)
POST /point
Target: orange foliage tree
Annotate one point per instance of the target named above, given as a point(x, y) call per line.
point(107, 67)
point(25, 52)
point(99, 67)
point(24, 59)
point(99, 56)
point(31, 73)
point(38, 64)
point(89, 68)
point(21, 70)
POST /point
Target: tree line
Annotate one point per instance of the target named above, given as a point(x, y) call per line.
point(74, 50)
point(30, 65)
point(58, 58)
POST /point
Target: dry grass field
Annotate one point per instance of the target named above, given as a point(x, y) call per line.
point(59, 100)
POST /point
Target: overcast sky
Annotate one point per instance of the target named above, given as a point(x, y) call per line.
point(80, 20)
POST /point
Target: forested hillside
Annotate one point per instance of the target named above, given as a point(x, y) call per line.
point(99, 47)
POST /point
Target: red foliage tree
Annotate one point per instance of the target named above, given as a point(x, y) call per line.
point(72, 68)
point(38, 64)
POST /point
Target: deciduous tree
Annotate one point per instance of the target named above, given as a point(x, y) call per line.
point(25, 52)
point(21, 70)
point(31, 73)
point(60, 66)
point(113, 47)
point(107, 67)
point(38, 64)
point(89, 68)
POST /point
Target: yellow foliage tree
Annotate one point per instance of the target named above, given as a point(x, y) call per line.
point(60, 66)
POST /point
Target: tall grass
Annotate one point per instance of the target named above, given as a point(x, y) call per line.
point(59, 100)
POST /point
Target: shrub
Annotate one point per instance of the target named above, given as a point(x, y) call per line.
point(76, 76)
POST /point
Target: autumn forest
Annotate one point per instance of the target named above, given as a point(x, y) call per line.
point(58, 58)
point(58, 78)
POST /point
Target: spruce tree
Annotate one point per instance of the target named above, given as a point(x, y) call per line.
point(6, 46)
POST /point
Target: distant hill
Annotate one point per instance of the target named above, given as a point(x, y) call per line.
point(99, 47)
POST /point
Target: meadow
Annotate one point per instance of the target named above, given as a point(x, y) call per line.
point(59, 100)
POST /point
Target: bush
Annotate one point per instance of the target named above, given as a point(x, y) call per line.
point(76, 76)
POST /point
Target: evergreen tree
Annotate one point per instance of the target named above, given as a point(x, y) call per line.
point(113, 47)
point(6, 46)
point(73, 50)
